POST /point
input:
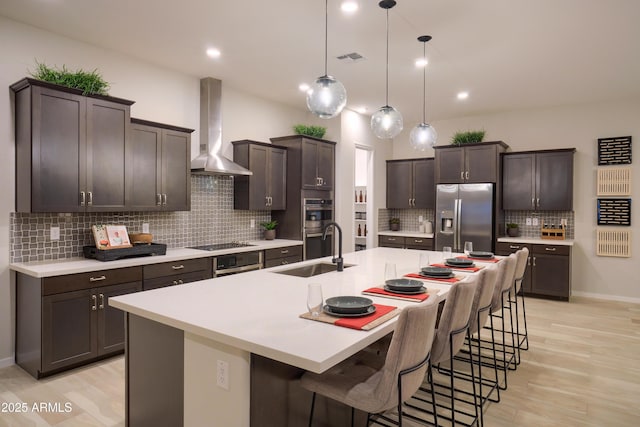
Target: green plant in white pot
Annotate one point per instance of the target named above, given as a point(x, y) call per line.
point(269, 229)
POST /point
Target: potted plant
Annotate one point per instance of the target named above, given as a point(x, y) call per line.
point(513, 230)
point(314, 131)
point(469, 137)
point(394, 224)
point(269, 229)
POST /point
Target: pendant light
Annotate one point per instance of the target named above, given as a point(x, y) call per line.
point(327, 96)
point(387, 121)
point(424, 135)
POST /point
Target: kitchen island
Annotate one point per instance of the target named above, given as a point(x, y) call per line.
point(184, 341)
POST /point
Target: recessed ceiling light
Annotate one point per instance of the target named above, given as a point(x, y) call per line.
point(349, 6)
point(421, 62)
point(212, 52)
point(463, 95)
point(303, 87)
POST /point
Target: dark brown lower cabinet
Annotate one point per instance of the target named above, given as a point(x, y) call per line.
point(548, 271)
point(65, 321)
point(176, 273)
point(282, 256)
point(419, 243)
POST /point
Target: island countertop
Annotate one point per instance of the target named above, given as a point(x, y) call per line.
point(258, 311)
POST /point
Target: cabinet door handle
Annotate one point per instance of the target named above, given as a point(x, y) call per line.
point(101, 306)
point(550, 249)
point(177, 267)
point(97, 279)
point(533, 202)
point(514, 247)
point(82, 199)
point(164, 199)
point(534, 261)
point(538, 203)
point(266, 200)
point(413, 202)
point(158, 199)
point(284, 251)
point(528, 260)
point(461, 174)
point(94, 307)
point(89, 198)
point(466, 175)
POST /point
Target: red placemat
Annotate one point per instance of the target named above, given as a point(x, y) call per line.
point(474, 269)
point(381, 292)
point(360, 322)
point(480, 259)
point(435, 279)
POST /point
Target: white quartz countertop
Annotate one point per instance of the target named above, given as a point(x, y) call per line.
point(258, 311)
point(536, 241)
point(83, 265)
point(406, 234)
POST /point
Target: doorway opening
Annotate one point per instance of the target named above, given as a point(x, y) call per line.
point(363, 198)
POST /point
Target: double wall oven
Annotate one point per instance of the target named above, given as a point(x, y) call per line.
point(316, 214)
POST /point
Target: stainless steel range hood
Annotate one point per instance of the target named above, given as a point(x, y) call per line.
point(211, 161)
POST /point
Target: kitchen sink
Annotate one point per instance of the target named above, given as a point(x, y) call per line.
point(312, 269)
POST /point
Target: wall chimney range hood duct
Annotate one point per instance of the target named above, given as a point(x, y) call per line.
point(211, 161)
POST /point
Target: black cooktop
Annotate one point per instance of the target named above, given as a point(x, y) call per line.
point(218, 246)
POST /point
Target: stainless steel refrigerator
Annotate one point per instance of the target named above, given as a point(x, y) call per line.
point(464, 213)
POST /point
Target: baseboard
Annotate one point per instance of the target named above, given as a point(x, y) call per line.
point(7, 362)
point(605, 297)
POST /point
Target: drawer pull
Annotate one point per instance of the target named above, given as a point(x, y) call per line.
point(97, 279)
point(175, 282)
point(417, 240)
point(101, 306)
point(284, 251)
point(177, 267)
point(550, 249)
point(94, 307)
point(284, 262)
point(514, 247)
point(392, 239)
point(180, 282)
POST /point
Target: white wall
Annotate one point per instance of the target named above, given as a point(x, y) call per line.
point(161, 95)
point(577, 126)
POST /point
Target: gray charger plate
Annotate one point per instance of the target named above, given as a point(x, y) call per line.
point(370, 310)
point(422, 290)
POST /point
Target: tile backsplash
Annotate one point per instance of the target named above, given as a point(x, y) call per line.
point(544, 217)
point(211, 219)
point(408, 218)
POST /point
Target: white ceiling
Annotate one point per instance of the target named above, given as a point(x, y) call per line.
point(509, 54)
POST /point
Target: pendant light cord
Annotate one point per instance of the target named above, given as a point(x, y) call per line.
point(326, 35)
point(387, 82)
point(424, 84)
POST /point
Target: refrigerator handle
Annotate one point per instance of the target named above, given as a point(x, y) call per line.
point(456, 223)
point(458, 226)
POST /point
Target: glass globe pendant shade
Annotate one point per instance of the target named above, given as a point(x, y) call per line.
point(386, 122)
point(423, 136)
point(326, 97)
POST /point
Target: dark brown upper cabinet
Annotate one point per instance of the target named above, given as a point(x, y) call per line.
point(538, 180)
point(70, 149)
point(158, 167)
point(410, 184)
point(311, 161)
point(469, 163)
point(266, 188)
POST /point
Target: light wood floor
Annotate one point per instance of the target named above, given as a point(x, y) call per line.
point(582, 369)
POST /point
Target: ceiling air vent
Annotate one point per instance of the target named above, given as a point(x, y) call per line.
point(351, 57)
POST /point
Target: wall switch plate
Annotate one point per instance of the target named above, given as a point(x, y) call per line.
point(563, 222)
point(54, 233)
point(253, 223)
point(420, 218)
point(535, 221)
point(528, 221)
point(145, 227)
point(222, 374)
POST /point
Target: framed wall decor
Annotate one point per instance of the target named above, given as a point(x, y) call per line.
point(614, 212)
point(614, 151)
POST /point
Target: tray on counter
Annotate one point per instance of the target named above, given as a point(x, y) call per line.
point(116, 254)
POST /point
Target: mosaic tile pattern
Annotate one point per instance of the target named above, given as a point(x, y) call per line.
point(408, 218)
point(544, 217)
point(212, 219)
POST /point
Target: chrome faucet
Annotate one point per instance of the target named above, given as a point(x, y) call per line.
point(339, 261)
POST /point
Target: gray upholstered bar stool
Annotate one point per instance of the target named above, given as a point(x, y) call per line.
point(500, 302)
point(453, 328)
point(375, 384)
point(516, 298)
